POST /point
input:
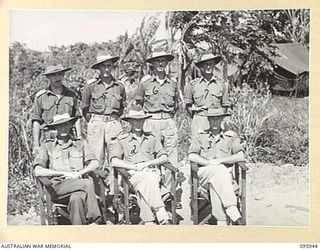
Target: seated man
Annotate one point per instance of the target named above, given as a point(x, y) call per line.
point(214, 150)
point(140, 152)
point(67, 161)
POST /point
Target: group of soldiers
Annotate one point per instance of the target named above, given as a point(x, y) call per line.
point(66, 158)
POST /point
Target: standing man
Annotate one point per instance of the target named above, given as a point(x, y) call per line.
point(103, 102)
point(55, 100)
point(141, 152)
point(67, 162)
point(158, 94)
point(205, 92)
point(214, 150)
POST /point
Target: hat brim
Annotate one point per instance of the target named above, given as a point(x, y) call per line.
point(113, 59)
point(217, 59)
point(56, 71)
point(217, 115)
point(53, 124)
point(136, 117)
point(168, 56)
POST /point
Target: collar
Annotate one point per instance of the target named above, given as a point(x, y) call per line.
point(213, 79)
point(211, 135)
point(132, 136)
point(64, 90)
point(154, 78)
point(65, 145)
point(113, 82)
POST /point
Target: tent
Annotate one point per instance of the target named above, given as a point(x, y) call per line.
point(291, 69)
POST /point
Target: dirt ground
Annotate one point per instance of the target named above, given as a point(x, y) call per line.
point(276, 196)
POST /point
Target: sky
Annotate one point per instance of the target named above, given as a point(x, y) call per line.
point(39, 29)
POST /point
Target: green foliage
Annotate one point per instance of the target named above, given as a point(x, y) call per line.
point(273, 129)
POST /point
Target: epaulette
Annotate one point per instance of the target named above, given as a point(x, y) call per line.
point(195, 81)
point(230, 133)
point(146, 78)
point(41, 92)
point(149, 133)
point(218, 78)
point(123, 136)
point(92, 81)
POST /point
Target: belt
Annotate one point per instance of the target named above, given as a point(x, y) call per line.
point(104, 118)
point(160, 115)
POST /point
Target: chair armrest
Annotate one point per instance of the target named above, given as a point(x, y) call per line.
point(45, 181)
point(99, 173)
point(194, 166)
point(242, 165)
point(123, 172)
point(169, 166)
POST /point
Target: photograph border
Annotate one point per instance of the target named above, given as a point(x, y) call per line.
point(132, 233)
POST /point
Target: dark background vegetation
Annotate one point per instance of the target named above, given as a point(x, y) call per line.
point(273, 128)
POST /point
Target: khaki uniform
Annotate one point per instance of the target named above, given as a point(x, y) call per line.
point(203, 94)
point(105, 103)
point(133, 149)
point(219, 177)
point(48, 104)
point(160, 100)
point(72, 156)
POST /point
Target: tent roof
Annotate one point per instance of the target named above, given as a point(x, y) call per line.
point(293, 57)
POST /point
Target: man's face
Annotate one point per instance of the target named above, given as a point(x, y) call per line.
point(160, 64)
point(215, 122)
point(106, 68)
point(63, 129)
point(56, 78)
point(207, 67)
point(136, 124)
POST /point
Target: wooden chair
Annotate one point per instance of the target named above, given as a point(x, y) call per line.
point(121, 201)
point(54, 207)
point(240, 170)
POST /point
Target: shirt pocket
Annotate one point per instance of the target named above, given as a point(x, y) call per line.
point(67, 106)
point(198, 97)
point(76, 160)
point(168, 96)
point(49, 110)
point(116, 100)
point(56, 160)
point(98, 101)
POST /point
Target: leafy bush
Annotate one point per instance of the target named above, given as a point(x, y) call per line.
point(273, 129)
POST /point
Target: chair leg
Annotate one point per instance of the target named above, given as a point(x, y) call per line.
point(41, 204)
point(194, 197)
point(174, 198)
point(243, 197)
point(103, 200)
point(116, 193)
point(126, 203)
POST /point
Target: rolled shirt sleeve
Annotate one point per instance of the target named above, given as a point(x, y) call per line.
point(88, 154)
point(188, 94)
point(236, 145)
point(158, 148)
point(42, 157)
point(139, 92)
point(86, 97)
point(195, 146)
point(37, 111)
point(117, 150)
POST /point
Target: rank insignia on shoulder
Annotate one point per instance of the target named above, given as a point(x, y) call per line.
point(230, 133)
point(41, 92)
point(146, 78)
point(92, 81)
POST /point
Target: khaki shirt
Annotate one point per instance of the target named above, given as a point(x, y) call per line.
point(129, 148)
point(47, 104)
point(209, 146)
point(205, 94)
point(157, 97)
point(68, 157)
point(101, 99)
